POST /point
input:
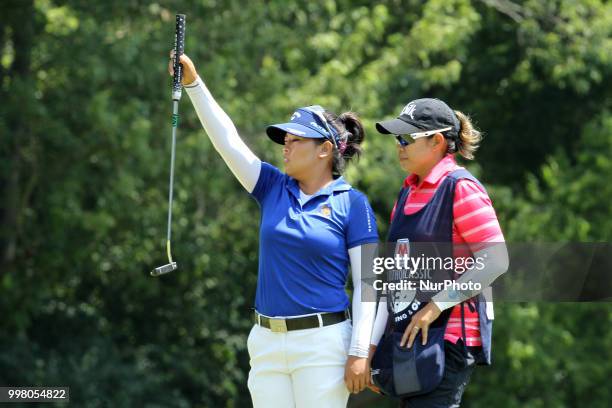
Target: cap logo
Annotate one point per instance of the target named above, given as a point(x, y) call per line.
point(295, 115)
point(318, 127)
point(409, 110)
point(296, 132)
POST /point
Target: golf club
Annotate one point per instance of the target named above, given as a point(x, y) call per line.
point(179, 46)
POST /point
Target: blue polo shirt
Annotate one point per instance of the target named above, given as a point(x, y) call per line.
point(303, 246)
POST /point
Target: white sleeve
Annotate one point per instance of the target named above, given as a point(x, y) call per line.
point(494, 259)
point(363, 310)
point(380, 323)
point(224, 136)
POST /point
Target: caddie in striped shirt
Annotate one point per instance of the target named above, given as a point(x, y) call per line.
point(442, 202)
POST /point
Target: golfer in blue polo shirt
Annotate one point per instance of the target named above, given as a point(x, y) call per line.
point(304, 350)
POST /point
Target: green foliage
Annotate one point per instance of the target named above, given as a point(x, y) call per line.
point(546, 355)
point(569, 200)
point(84, 143)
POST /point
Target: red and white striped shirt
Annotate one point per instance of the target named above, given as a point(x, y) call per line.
point(475, 223)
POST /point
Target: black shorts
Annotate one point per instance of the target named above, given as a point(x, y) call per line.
point(459, 364)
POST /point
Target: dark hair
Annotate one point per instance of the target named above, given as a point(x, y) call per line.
point(352, 134)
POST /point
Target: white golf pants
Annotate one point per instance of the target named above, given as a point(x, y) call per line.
point(300, 368)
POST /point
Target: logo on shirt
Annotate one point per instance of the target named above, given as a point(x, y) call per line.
point(402, 247)
point(402, 298)
point(325, 210)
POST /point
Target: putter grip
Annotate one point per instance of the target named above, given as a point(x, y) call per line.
point(179, 48)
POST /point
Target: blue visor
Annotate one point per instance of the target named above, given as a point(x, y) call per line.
point(305, 122)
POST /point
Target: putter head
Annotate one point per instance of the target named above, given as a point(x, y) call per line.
point(164, 269)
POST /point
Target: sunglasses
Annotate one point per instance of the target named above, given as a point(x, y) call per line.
point(405, 140)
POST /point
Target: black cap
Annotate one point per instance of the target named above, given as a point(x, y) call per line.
point(422, 115)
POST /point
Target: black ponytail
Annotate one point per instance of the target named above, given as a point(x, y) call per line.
point(352, 134)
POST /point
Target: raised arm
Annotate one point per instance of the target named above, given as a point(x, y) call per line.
point(220, 128)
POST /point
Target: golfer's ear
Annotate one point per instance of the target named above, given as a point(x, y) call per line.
point(438, 142)
point(326, 149)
